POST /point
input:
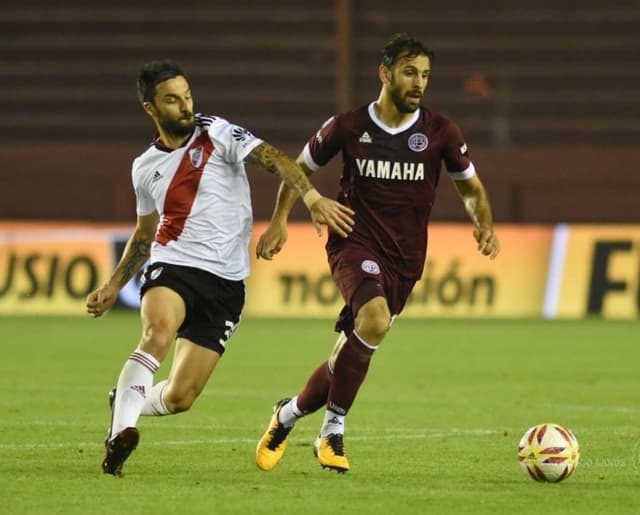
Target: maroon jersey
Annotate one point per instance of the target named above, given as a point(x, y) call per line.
point(389, 179)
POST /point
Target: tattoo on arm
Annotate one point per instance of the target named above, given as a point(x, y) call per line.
point(274, 161)
point(265, 156)
point(136, 253)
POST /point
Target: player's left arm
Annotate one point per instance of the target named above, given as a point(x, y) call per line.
point(476, 201)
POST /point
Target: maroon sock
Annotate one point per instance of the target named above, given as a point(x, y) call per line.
point(314, 395)
point(348, 374)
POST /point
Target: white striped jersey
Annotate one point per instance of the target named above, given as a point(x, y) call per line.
point(202, 195)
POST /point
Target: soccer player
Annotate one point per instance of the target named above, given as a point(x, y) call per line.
point(392, 150)
point(194, 222)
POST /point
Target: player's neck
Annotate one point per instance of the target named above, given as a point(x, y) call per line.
point(167, 140)
point(388, 113)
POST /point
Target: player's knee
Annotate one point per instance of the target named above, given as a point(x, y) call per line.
point(157, 337)
point(372, 321)
point(376, 329)
point(179, 399)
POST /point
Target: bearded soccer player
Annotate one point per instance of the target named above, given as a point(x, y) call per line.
point(392, 150)
point(194, 222)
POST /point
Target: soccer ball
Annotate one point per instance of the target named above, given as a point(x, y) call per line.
point(548, 452)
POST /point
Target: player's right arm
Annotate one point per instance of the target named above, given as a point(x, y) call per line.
point(320, 148)
point(275, 236)
point(135, 255)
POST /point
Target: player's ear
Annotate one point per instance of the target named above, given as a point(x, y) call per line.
point(384, 74)
point(149, 108)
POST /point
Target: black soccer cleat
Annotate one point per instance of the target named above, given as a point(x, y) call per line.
point(119, 449)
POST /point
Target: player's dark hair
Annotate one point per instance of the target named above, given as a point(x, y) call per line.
point(403, 44)
point(153, 73)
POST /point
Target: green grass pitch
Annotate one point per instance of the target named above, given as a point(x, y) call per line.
point(434, 430)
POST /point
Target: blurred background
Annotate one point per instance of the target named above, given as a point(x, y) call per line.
point(546, 93)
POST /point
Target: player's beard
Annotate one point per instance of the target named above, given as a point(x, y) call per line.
point(181, 127)
point(399, 101)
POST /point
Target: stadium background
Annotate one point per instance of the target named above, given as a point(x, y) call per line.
point(543, 90)
point(547, 95)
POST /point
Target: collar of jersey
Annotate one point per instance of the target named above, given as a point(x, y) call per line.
point(157, 142)
point(392, 130)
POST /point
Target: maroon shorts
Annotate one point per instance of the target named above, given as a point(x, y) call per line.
point(360, 276)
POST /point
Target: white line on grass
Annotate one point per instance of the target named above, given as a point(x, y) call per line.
point(631, 431)
point(585, 407)
point(225, 441)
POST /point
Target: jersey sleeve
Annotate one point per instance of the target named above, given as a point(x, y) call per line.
point(456, 154)
point(144, 201)
point(231, 141)
point(324, 144)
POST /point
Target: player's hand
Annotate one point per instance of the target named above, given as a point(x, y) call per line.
point(488, 242)
point(100, 300)
point(271, 241)
point(337, 217)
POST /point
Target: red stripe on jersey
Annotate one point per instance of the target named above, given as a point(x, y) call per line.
point(183, 188)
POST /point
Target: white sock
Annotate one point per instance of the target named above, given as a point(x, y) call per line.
point(135, 381)
point(155, 405)
point(290, 413)
point(332, 424)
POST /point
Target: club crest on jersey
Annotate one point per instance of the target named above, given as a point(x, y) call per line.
point(196, 154)
point(418, 142)
point(371, 267)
